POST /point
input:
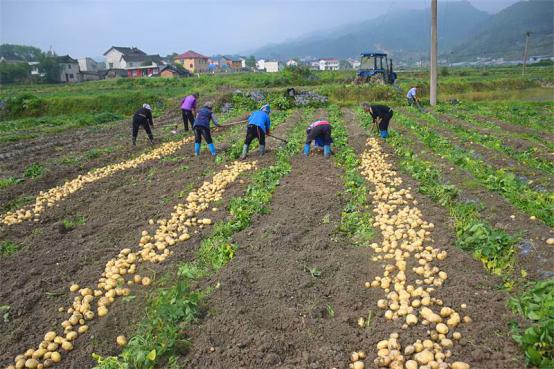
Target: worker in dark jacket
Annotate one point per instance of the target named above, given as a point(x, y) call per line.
point(319, 131)
point(381, 115)
point(258, 126)
point(143, 117)
point(201, 128)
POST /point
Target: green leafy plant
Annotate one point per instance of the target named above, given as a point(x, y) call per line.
point(536, 304)
point(34, 171)
point(72, 223)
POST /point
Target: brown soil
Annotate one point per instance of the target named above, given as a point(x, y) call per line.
point(533, 254)
point(496, 159)
point(35, 280)
point(269, 312)
point(49, 151)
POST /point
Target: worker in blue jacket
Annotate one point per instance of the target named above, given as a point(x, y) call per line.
point(201, 128)
point(258, 127)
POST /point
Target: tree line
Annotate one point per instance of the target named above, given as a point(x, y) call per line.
point(16, 68)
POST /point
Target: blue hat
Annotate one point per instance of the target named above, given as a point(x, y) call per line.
point(266, 108)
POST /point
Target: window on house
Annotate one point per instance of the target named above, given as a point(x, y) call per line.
point(191, 65)
point(71, 76)
point(69, 66)
point(111, 65)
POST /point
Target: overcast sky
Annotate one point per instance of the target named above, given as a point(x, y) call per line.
point(90, 27)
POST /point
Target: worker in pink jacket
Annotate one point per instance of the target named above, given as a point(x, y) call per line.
point(188, 110)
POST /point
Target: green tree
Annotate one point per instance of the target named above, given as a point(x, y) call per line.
point(14, 73)
point(21, 52)
point(50, 67)
point(251, 62)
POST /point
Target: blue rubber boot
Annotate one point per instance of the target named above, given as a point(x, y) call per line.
point(307, 149)
point(196, 149)
point(384, 134)
point(212, 149)
point(326, 151)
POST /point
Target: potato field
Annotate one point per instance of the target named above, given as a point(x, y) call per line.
point(430, 249)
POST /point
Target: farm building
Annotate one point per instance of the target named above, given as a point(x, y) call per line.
point(272, 66)
point(115, 53)
point(89, 65)
point(170, 71)
point(292, 63)
point(193, 61)
point(260, 64)
point(234, 63)
point(329, 64)
point(69, 69)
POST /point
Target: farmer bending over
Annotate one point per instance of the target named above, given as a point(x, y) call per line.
point(320, 131)
point(201, 128)
point(381, 115)
point(188, 110)
point(258, 127)
point(411, 96)
point(143, 117)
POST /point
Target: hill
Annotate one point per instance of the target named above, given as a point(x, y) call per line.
point(504, 34)
point(404, 34)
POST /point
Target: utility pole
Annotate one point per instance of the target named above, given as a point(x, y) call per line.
point(527, 34)
point(433, 64)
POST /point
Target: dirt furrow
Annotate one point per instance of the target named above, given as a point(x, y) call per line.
point(533, 253)
point(495, 158)
point(115, 212)
point(486, 342)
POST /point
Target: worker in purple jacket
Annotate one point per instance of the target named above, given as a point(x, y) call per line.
point(188, 109)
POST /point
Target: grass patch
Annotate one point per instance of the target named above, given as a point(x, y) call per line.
point(10, 181)
point(72, 223)
point(8, 248)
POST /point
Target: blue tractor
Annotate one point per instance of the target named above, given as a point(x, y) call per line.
point(375, 68)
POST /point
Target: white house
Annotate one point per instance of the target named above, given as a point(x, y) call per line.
point(260, 64)
point(89, 65)
point(34, 69)
point(243, 62)
point(328, 64)
point(115, 53)
point(355, 63)
point(292, 63)
point(272, 66)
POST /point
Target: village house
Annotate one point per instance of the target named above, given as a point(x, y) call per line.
point(233, 62)
point(193, 61)
point(329, 64)
point(131, 62)
point(260, 64)
point(292, 63)
point(69, 71)
point(272, 66)
point(170, 71)
point(114, 54)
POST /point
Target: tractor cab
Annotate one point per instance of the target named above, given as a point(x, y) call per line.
point(375, 68)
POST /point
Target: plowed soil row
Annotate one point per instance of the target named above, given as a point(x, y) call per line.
point(51, 150)
point(270, 312)
point(511, 127)
point(492, 157)
point(35, 281)
point(507, 136)
point(533, 253)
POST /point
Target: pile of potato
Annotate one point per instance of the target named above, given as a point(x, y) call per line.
point(405, 250)
point(58, 193)
point(120, 273)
